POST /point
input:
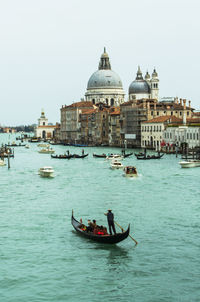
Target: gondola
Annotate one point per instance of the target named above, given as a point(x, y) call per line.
point(108, 239)
point(100, 155)
point(147, 157)
point(80, 156)
point(127, 155)
point(63, 156)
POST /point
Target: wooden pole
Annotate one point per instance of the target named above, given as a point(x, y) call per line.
point(123, 231)
point(8, 161)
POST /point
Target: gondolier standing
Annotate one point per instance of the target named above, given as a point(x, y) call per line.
point(110, 218)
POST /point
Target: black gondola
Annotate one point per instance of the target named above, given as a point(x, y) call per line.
point(127, 155)
point(100, 155)
point(80, 156)
point(108, 239)
point(142, 157)
point(63, 156)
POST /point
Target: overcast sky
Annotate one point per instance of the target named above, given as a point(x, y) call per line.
point(49, 49)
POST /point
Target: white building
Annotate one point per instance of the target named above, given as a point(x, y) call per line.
point(104, 85)
point(146, 88)
point(189, 133)
point(152, 131)
point(44, 130)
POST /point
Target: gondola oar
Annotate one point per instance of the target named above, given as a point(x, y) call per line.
point(123, 231)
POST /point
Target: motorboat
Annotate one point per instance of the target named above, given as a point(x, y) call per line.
point(114, 156)
point(2, 162)
point(47, 151)
point(116, 164)
point(27, 146)
point(43, 145)
point(130, 171)
point(190, 163)
point(46, 172)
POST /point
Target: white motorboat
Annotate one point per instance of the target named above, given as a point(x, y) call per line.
point(2, 162)
point(114, 156)
point(27, 146)
point(116, 164)
point(43, 145)
point(47, 151)
point(130, 171)
point(46, 172)
point(190, 163)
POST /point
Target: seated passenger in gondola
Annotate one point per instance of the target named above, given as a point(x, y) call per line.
point(90, 226)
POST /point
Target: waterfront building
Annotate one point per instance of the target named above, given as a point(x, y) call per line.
point(134, 112)
point(114, 128)
point(187, 132)
point(152, 131)
point(104, 85)
point(70, 126)
point(144, 88)
point(43, 129)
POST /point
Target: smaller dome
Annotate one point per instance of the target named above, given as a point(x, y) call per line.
point(147, 76)
point(154, 74)
point(139, 86)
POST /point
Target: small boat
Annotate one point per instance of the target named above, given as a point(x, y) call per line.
point(43, 145)
point(127, 155)
point(80, 156)
point(147, 157)
point(107, 239)
point(2, 162)
point(62, 156)
point(114, 156)
point(116, 164)
point(46, 172)
point(99, 155)
point(27, 146)
point(47, 150)
point(130, 171)
point(190, 163)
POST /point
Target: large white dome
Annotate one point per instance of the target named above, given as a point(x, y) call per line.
point(104, 78)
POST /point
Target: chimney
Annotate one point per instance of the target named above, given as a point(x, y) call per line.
point(184, 104)
point(189, 104)
point(181, 102)
point(144, 104)
point(176, 100)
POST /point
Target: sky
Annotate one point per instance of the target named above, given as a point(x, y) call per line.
point(49, 49)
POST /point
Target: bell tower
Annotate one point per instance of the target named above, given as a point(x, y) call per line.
point(154, 85)
point(42, 121)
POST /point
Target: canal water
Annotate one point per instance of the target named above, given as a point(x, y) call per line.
point(43, 259)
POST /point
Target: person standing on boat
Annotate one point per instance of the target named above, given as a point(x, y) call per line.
point(110, 218)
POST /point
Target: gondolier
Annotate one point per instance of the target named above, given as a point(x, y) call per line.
point(110, 218)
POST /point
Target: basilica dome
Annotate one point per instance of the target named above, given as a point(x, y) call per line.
point(104, 78)
point(139, 86)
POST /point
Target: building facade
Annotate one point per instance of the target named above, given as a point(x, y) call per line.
point(104, 85)
point(43, 129)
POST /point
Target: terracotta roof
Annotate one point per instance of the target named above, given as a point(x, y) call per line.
point(48, 126)
point(88, 111)
point(116, 112)
point(164, 118)
point(79, 104)
point(193, 120)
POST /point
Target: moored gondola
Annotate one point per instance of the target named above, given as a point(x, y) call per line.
point(147, 157)
point(99, 155)
point(107, 239)
point(127, 155)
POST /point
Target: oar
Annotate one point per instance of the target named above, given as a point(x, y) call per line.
point(123, 231)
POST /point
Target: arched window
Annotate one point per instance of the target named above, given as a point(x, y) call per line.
point(112, 102)
point(106, 101)
point(93, 101)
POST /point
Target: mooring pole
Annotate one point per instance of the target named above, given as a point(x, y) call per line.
point(8, 161)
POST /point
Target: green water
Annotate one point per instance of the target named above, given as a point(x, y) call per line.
point(43, 259)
